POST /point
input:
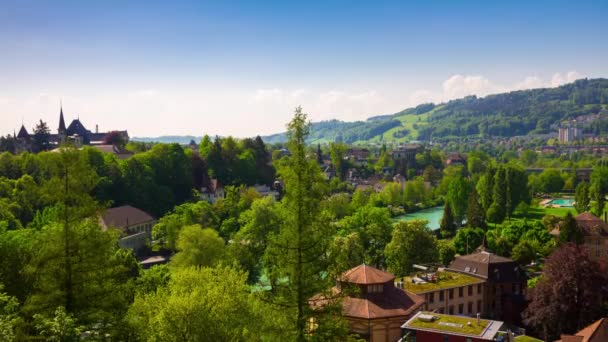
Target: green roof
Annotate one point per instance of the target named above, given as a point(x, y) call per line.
point(445, 280)
point(524, 338)
point(448, 323)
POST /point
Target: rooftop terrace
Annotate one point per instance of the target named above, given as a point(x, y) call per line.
point(443, 280)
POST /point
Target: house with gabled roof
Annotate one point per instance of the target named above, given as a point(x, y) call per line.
point(134, 224)
point(595, 235)
point(596, 332)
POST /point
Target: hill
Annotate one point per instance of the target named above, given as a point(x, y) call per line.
point(523, 112)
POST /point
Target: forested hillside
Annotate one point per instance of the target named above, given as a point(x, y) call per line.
point(523, 112)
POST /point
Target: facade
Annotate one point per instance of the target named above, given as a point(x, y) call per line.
point(595, 234)
point(374, 308)
point(213, 191)
point(448, 292)
point(596, 332)
point(432, 327)
point(569, 134)
point(406, 155)
point(504, 287)
point(135, 224)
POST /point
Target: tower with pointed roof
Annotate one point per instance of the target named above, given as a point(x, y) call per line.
point(61, 130)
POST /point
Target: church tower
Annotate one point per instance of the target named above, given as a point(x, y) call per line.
point(62, 129)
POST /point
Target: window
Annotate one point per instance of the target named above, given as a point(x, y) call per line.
point(441, 296)
point(517, 289)
point(460, 292)
point(470, 307)
point(451, 310)
point(469, 339)
point(451, 296)
point(374, 288)
point(431, 297)
point(446, 338)
point(479, 306)
point(461, 308)
point(478, 288)
point(470, 290)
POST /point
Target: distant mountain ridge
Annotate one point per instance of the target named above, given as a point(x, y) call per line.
point(522, 112)
point(169, 139)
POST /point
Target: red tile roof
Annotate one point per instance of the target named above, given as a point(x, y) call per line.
point(364, 274)
point(393, 302)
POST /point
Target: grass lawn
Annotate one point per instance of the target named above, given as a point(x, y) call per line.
point(445, 280)
point(454, 324)
point(524, 338)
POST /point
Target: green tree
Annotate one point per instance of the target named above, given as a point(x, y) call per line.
point(569, 230)
point(468, 239)
point(524, 252)
point(582, 197)
point(9, 308)
point(347, 252)
point(374, 227)
point(198, 247)
point(61, 327)
point(476, 216)
point(296, 255)
point(551, 181)
point(42, 136)
point(412, 243)
point(206, 304)
point(446, 250)
point(447, 226)
point(499, 206)
point(337, 153)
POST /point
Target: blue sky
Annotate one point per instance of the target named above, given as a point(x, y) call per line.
point(236, 67)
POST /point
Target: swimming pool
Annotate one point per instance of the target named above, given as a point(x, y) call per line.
point(562, 202)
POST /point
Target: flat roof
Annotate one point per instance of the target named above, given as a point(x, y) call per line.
point(454, 325)
point(445, 280)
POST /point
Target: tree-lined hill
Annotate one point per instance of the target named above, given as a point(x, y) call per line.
point(523, 112)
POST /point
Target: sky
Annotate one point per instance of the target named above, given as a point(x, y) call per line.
point(241, 67)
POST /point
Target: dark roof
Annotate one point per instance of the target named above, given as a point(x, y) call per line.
point(23, 133)
point(364, 274)
point(76, 127)
point(488, 265)
point(61, 121)
point(591, 225)
point(125, 216)
point(393, 302)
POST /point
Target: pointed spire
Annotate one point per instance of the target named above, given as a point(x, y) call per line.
point(61, 129)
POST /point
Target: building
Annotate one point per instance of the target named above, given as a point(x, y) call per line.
point(135, 225)
point(504, 286)
point(433, 327)
point(212, 192)
point(374, 308)
point(405, 156)
point(595, 235)
point(448, 292)
point(76, 132)
point(596, 332)
point(569, 134)
point(455, 159)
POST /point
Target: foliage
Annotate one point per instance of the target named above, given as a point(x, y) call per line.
point(446, 250)
point(468, 239)
point(447, 226)
point(61, 327)
point(569, 295)
point(198, 247)
point(412, 243)
point(581, 197)
point(476, 216)
point(569, 231)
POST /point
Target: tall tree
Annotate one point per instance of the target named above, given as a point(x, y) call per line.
point(581, 197)
point(447, 226)
point(458, 192)
point(337, 153)
point(198, 247)
point(569, 294)
point(42, 136)
point(499, 195)
point(296, 255)
point(599, 187)
point(476, 216)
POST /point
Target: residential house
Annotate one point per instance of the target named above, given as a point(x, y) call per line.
point(135, 224)
point(213, 191)
point(504, 286)
point(374, 308)
point(433, 327)
point(595, 235)
point(448, 292)
point(596, 332)
point(455, 159)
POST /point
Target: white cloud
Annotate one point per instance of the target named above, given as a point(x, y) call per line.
point(559, 79)
point(463, 85)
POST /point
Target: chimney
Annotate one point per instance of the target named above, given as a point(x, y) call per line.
point(96, 128)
